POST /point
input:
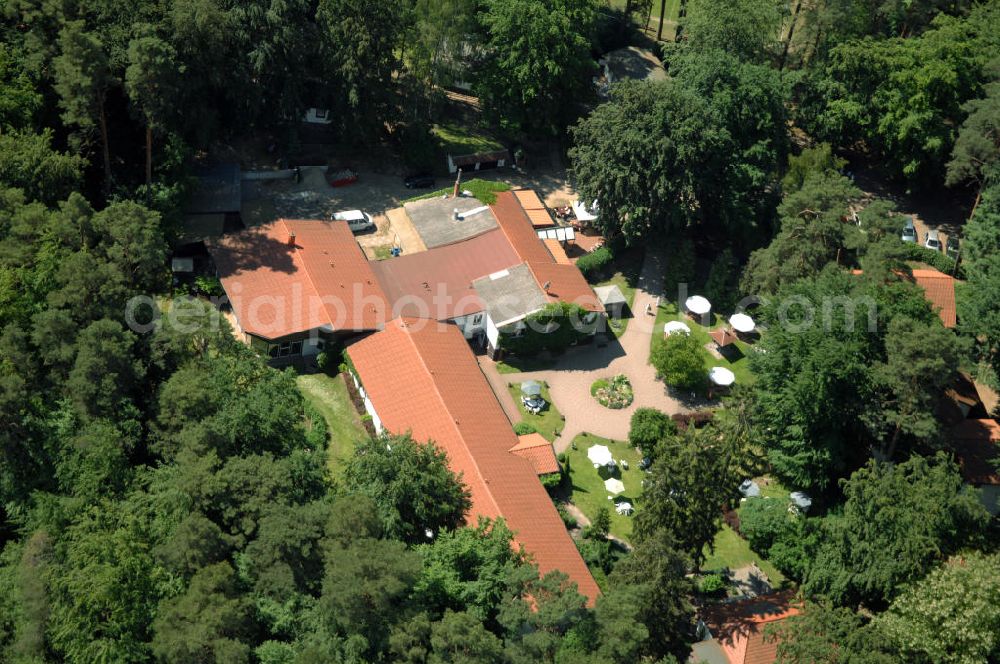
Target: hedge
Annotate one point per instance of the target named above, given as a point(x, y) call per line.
point(595, 261)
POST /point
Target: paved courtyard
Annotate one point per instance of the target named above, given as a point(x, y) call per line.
point(572, 374)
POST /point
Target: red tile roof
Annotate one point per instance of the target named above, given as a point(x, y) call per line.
point(538, 451)
point(438, 283)
point(565, 283)
point(939, 289)
point(422, 377)
point(722, 336)
point(558, 253)
point(528, 199)
point(280, 285)
point(514, 223)
point(738, 626)
point(977, 445)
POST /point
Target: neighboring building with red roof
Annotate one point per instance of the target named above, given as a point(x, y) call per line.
point(976, 444)
point(538, 451)
point(735, 630)
point(939, 289)
point(420, 376)
point(294, 284)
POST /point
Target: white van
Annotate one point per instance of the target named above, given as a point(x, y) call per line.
point(357, 220)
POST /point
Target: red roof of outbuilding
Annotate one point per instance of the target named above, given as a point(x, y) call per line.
point(422, 377)
point(939, 288)
point(280, 285)
point(438, 283)
point(538, 451)
point(738, 626)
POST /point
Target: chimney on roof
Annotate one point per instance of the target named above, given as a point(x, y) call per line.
point(291, 239)
point(458, 181)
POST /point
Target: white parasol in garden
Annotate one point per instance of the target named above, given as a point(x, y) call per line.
point(742, 323)
point(697, 305)
point(721, 376)
point(614, 485)
point(676, 327)
point(599, 455)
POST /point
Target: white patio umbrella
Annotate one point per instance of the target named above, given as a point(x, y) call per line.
point(614, 485)
point(599, 455)
point(800, 500)
point(676, 327)
point(697, 305)
point(721, 376)
point(742, 323)
point(531, 388)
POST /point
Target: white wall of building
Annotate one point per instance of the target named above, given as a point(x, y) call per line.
point(472, 324)
point(369, 406)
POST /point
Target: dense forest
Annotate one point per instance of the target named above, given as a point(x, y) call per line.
point(165, 496)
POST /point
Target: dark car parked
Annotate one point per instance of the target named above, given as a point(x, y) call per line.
point(952, 247)
point(419, 181)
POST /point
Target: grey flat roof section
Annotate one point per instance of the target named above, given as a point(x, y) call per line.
point(434, 219)
point(217, 190)
point(510, 295)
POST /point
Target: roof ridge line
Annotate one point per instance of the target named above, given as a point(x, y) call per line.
point(451, 416)
point(312, 284)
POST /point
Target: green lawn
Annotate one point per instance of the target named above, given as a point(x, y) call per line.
point(732, 551)
point(670, 12)
point(484, 190)
point(626, 283)
point(459, 139)
point(329, 396)
point(667, 311)
point(588, 491)
point(548, 422)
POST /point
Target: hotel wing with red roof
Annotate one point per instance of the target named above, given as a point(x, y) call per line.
point(420, 376)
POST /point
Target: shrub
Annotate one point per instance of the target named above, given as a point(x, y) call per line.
point(764, 521)
point(711, 584)
point(524, 428)
point(679, 361)
point(323, 361)
point(210, 286)
point(600, 526)
point(551, 481)
point(936, 259)
point(648, 427)
point(562, 320)
point(568, 519)
point(614, 392)
point(601, 554)
point(595, 261)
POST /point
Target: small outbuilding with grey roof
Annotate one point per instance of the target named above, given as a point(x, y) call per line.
point(615, 304)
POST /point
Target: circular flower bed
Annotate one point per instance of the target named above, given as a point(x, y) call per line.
point(615, 392)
